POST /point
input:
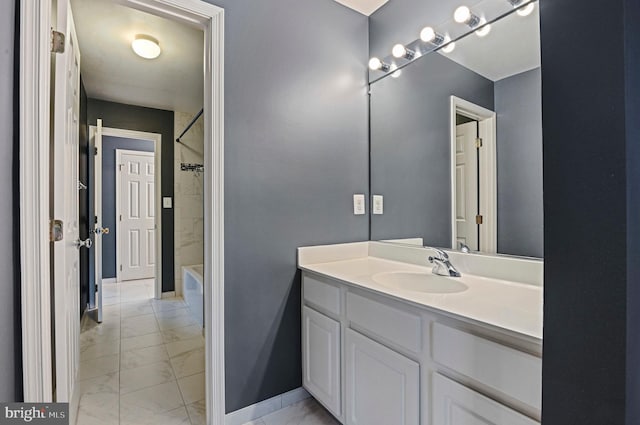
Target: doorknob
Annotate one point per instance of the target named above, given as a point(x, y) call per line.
point(87, 243)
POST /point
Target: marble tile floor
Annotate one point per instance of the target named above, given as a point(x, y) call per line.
point(306, 412)
point(144, 364)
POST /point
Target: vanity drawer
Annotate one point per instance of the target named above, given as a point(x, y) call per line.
point(395, 325)
point(321, 294)
point(512, 372)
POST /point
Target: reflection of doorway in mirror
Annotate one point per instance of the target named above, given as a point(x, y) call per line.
point(473, 177)
point(467, 189)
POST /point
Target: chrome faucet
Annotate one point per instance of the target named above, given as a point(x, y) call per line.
point(441, 264)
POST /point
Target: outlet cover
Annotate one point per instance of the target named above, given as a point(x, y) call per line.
point(378, 205)
point(358, 204)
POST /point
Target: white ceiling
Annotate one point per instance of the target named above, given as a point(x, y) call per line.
point(111, 71)
point(512, 47)
point(366, 7)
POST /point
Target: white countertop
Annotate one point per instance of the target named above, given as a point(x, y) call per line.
point(516, 307)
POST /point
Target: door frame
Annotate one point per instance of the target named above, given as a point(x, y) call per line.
point(157, 142)
point(487, 173)
point(34, 110)
point(119, 239)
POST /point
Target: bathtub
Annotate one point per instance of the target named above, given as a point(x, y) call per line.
point(193, 290)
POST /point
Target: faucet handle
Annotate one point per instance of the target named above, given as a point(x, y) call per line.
point(440, 254)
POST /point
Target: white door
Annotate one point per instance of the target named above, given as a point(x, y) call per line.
point(455, 404)
point(135, 197)
point(321, 358)
point(467, 185)
point(383, 387)
point(65, 207)
point(98, 229)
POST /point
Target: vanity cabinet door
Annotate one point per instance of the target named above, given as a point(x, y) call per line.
point(455, 404)
point(383, 387)
point(321, 358)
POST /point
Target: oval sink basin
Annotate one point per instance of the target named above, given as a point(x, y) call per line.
point(420, 282)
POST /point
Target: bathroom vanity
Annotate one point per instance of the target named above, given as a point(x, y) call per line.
point(386, 342)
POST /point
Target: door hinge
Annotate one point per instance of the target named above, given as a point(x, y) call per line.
point(478, 143)
point(120, 167)
point(95, 151)
point(120, 217)
point(56, 233)
point(478, 219)
point(57, 41)
point(120, 267)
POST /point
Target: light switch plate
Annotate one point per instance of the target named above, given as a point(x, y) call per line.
point(358, 204)
point(378, 205)
point(167, 202)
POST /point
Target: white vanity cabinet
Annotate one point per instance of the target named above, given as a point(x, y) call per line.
point(383, 386)
point(321, 358)
point(373, 359)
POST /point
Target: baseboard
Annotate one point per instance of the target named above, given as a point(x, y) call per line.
point(170, 294)
point(262, 408)
point(109, 280)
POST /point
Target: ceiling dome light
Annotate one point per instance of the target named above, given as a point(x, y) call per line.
point(485, 30)
point(399, 51)
point(146, 46)
point(463, 15)
point(376, 64)
point(429, 35)
point(526, 10)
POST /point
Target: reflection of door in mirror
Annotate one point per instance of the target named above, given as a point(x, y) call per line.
point(467, 184)
point(473, 184)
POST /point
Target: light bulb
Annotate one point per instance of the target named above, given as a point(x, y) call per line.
point(485, 30)
point(146, 46)
point(399, 51)
point(526, 10)
point(449, 47)
point(462, 15)
point(396, 72)
point(427, 34)
point(375, 64)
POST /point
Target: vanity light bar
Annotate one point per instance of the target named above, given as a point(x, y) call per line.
point(376, 64)
point(399, 51)
point(463, 15)
point(429, 35)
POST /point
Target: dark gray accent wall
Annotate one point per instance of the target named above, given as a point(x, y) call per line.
point(85, 219)
point(109, 146)
point(591, 173)
point(128, 117)
point(518, 106)
point(632, 104)
point(9, 263)
point(410, 146)
point(296, 151)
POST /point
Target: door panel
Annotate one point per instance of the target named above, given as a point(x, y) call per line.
point(66, 278)
point(136, 234)
point(467, 185)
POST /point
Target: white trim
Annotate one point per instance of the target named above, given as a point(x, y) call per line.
point(34, 189)
point(109, 280)
point(265, 407)
point(35, 72)
point(488, 174)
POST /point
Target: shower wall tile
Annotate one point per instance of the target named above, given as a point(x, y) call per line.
point(189, 190)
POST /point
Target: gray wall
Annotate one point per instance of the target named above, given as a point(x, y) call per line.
point(295, 152)
point(410, 146)
point(7, 264)
point(131, 117)
point(109, 146)
point(518, 102)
